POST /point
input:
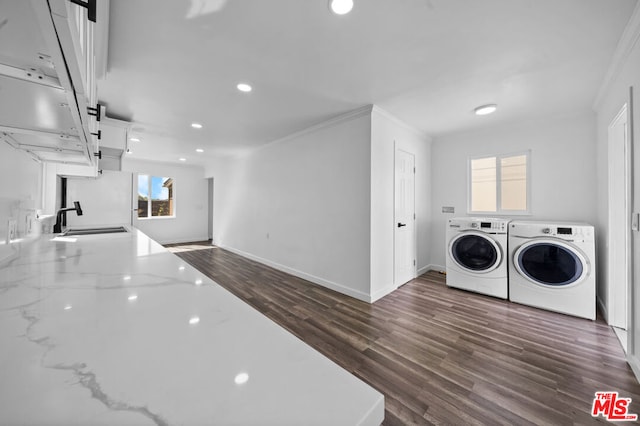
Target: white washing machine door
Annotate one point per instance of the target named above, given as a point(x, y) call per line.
point(475, 252)
point(551, 263)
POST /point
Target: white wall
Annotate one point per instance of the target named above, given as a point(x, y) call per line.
point(21, 192)
point(105, 200)
point(387, 133)
point(191, 202)
point(302, 204)
point(626, 73)
point(563, 170)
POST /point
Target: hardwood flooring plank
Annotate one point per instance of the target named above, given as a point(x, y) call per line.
point(438, 354)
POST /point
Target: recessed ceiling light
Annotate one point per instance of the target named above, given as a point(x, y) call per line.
point(244, 87)
point(241, 378)
point(341, 7)
point(199, 150)
point(485, 109)
point(196, 125)
point(182, 159)
point(134, 140)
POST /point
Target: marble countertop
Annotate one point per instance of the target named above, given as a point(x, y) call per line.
point(115, 330)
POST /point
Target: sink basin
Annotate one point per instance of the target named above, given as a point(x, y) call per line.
point(92, 231)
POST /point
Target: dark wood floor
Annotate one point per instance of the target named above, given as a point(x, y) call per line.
point(440, 355)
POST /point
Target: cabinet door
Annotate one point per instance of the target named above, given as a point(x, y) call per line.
point(114, 134)
point(76, 35)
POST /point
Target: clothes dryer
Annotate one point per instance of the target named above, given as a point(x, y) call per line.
point(552, 266)
point(477, 255)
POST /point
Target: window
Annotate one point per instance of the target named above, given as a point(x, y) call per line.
point(499, 184)
point(155, 197)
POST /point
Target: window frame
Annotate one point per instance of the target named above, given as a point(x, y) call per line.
point(150, 217)
point(499, 211)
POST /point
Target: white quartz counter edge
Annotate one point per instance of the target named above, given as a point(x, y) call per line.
point(113, 329)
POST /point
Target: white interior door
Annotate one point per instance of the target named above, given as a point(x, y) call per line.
point(619, 221)
point(405, 224)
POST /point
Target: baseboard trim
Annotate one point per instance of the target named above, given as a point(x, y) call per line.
point(182, 240)
point(431, 267)
point(391, 288)
point(603, 310)
point(383, 292)
point(423, 270)
point(312, 278)
point(634, 363)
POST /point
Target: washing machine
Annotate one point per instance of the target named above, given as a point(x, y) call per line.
point(477, 255)
point(552, 266)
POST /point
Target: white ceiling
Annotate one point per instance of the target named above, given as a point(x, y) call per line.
point(428, 62)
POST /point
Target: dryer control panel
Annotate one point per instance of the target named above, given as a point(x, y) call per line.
point(573, 232)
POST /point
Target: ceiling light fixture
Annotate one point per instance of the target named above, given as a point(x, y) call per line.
point(341, 7)
point(182, 159)
point(199, 150)
point(244, 87)
point(486, 109)
point(241, 378)
point(134, 140)
point(196, 125)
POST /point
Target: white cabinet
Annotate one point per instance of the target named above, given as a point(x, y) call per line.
point(75, 170)
point(114, 134)
point(47, 80)
point(113, 142)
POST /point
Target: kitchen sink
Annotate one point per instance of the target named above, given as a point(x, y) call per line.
point(92, 231)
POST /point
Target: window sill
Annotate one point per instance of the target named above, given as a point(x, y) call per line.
point(503, 213)
point(156, 218)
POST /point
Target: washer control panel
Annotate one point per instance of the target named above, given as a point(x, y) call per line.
point(492, 226)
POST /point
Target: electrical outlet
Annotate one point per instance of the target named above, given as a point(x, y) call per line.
point(635, 222)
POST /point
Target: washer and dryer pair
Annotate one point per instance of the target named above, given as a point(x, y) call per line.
point(546, 265)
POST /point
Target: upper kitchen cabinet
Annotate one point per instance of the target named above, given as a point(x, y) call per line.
point(50, 54)
point(113, 142)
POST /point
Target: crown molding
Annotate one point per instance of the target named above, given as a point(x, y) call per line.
point(347, 116)
point(401, 123)
point(625, 45)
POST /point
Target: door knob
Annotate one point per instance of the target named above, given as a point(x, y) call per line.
point(400, 225)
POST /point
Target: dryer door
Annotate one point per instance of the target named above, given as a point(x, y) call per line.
point(551, 263)
point(475, 252)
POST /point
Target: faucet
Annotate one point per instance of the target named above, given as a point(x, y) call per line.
point(57, 228)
